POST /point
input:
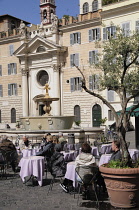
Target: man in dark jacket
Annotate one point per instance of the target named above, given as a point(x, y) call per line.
point(48, 148)
point(116, 151)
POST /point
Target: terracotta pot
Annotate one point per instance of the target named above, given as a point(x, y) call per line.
point(122, 186)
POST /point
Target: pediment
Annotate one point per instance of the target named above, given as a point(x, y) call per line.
point(36, 46)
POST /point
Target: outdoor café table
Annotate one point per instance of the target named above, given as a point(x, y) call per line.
point(94, 151)
point(29, 152)
point(104, 159)
point(33, 165)
point(106, 148)
point(70, 172)
point(133, 151)
point(69, 156)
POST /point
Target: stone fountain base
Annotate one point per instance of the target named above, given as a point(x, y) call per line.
point(47, 122)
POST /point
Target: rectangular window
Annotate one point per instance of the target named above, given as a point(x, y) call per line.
point(12, 89)
point(1, 91)
point(75, 84)
point(12, 68)
point(110, 95)
point(74, 59)
point(109, 32)
point(94, 82)
point(126, 29)
point(11, 49)
point(93, 58)
point(75, 38)
point(137, 26)
point(110, 115)
point(94, 34)
point(0, 70)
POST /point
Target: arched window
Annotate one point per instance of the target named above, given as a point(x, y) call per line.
point(44, 14)
point(41, 49)
point(77, 113)
point(13, 115)
point(95, 5)
point(85, 7)
point(96, 115)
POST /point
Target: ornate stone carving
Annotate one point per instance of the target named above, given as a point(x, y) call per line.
point(24, 72)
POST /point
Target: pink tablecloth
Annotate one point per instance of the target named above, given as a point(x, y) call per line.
point(94, 151)
point(104, 159)
point(70, 172)
point(33, 165)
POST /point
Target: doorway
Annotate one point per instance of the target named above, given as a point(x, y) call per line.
point(96, 115)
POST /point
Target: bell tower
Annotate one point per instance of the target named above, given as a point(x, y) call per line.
point(47, 8)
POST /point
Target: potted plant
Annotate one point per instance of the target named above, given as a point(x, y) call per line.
point(119, 72)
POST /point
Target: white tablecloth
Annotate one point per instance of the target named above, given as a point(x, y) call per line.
point(70, 172)
point(104, 159)
point(106, 148)
point(33, 165)
point(94, 151)
point(69, 156)
point(29, 152)
point(132, 152)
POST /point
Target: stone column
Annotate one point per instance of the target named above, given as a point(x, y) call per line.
point(56, 88)
point(25, 92)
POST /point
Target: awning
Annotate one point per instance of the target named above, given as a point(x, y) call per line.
point(134, 113)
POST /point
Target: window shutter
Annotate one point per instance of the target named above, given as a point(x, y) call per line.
point(104, 33)
point(114, 31)
point(96, 83)
point(80, 83)
point(72, 84)
point(90, 57)
point(15, 68)
point(137, 25)
point(96, 56)
point(15, 88)
point(77, 59)
point(98, 33)
point(0, 70)
point(9, 69)
point(1, 91)
point(71, 60)
point(79, 37)
point(9, 90)
point(90, 82)
point(110, 95)
point(128, 29)
point(71, 39)
point(11, 49)
point(90, 35)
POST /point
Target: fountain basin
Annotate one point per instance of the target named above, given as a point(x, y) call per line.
point(47, 122)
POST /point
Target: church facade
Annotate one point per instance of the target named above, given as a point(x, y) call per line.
point(48, 53)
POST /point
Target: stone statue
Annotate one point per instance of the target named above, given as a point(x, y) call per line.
point(54, 21)
point(47, 88)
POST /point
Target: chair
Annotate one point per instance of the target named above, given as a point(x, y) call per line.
point(86, 177)
point(3, 163)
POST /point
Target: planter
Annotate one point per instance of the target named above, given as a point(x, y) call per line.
point(122, 186)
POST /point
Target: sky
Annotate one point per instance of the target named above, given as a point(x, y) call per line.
point(29, 10)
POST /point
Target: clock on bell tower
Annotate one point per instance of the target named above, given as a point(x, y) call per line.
point(47, 8)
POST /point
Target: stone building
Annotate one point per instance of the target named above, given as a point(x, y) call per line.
point(47, 53)
point(10, 75)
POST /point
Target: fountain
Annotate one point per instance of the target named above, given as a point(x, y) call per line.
point(47, 121)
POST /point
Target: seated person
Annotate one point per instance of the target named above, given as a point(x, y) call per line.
point(84, 158)
point(116, 155)
point(61, 138)
point(24, 143)
point(11, 153)
point(47, 148)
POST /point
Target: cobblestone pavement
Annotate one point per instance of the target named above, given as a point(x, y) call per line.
point(15, 195)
